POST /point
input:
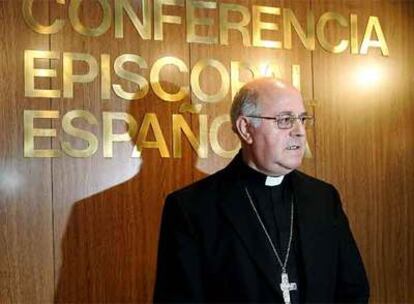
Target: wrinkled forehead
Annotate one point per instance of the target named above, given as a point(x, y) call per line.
point(273, 100)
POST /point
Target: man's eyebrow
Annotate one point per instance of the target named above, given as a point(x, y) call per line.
point(290, 113)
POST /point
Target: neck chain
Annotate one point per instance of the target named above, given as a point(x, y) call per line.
point(284, 263)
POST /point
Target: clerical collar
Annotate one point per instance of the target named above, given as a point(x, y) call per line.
point(274, 180)
point(259, 178)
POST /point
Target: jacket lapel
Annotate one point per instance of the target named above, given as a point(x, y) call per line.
point(304, 198)
point(237, 208)
point(312, 237)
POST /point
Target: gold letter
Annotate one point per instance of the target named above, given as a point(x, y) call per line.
point(215, 145)
point(258, 26)
point(224, 79)
point(30, 133)
point(200, 146)
point(150, 120)
point(69, 79)
point(143, 28)
point(374, 24)
point(30, 73)
point(105, 77)
point(155, 78)
point(80, 28)
point(192, 21)
point(236, 66)
point(270, 69)
point(37, 27)
point(289, 19)
point(135, 78)
point(160, 18)
point(354, 34)
point(89, 137)
point(240, 26)
point(109, 137)
point(343, 44)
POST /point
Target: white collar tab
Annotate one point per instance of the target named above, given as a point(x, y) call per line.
point(274, 180)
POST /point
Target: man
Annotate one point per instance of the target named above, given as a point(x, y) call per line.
point(258, 230)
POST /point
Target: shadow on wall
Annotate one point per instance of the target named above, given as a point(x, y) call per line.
point(108, 246)
point(111, 239)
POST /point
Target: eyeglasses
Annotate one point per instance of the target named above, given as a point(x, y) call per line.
point(285, 121)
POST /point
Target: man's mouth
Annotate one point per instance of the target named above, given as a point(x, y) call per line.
point(293, 147)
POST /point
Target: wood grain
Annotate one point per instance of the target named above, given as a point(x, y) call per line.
point(364, 143)
point(86, 230)
point(26, 231)
point(107, 222)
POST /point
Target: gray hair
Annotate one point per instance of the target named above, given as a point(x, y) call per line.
point(245, 103)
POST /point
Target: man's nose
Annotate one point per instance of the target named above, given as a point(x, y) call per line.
point(298, 129)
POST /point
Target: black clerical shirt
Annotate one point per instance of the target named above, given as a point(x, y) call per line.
point(274, 206)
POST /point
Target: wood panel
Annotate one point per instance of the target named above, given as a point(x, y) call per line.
point(364, 141)
point(86, 229)
point(26, 231)
point(107, 222)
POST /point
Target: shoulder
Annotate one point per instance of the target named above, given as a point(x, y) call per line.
point(204, 184)
point(201, 194)
point(314, 189)
point(311, 181)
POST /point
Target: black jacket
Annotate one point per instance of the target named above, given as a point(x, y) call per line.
point(212, 247)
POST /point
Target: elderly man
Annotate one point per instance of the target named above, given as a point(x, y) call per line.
point(258, 230)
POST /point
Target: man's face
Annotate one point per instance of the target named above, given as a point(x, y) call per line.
point(275, 151)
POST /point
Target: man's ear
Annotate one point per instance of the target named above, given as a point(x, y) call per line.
point(244, 129)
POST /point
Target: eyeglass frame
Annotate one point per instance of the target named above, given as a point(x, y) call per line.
point(292, 117)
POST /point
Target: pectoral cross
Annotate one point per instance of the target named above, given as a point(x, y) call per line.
point(286, 287)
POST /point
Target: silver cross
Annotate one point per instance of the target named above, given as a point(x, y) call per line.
point(286, 287)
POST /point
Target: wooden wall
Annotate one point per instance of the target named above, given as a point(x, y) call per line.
point(86, 230)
